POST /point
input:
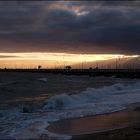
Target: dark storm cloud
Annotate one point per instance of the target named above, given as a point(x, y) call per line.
point(80, 26)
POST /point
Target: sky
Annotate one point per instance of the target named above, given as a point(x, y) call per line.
point(69, 27)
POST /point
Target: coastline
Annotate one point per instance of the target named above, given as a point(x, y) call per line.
point(126, 133)
point(125, 126)
point(27, 92)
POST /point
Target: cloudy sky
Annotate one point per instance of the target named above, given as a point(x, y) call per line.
point(80, 27)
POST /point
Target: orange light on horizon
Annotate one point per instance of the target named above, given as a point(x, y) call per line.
point(60, 56)
point(51, 59)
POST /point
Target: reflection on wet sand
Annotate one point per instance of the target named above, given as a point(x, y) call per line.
point(93, 124)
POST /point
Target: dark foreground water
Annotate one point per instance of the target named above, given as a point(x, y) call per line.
point(77, 97)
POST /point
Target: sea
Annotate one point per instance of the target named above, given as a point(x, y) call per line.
point(18, 124)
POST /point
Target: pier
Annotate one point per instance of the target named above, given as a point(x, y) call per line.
point(130, 73)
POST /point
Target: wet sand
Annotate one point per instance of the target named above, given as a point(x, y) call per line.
point(91, 127)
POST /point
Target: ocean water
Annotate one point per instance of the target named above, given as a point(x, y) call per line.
point(16, 124)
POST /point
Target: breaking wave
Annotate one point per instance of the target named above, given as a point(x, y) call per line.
point(112, 97)
point(16, 124)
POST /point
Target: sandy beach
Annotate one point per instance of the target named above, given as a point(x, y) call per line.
point(127, 132)
point(118, 125)
point(95, 124)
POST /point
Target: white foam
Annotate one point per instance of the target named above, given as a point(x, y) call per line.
point(43, 79)
point(89, 102)
point(106, 97)
point(33, 127)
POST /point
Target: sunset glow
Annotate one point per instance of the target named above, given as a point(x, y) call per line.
point(52, 59)
point(60, 56)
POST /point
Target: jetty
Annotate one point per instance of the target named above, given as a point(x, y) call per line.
point(130, 73)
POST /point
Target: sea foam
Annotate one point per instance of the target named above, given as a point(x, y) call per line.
point(89, 102)
point(109, 96)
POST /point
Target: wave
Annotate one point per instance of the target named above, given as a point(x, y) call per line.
point(19, 125)
point(109, 96)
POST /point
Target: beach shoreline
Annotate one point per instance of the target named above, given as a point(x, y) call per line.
point(124, 131)
point(26, 93)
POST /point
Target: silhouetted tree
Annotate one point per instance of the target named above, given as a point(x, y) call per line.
point(39, 66)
